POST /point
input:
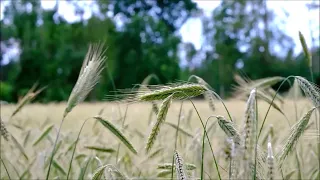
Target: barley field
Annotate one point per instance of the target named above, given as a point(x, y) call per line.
point(164, 131)
point(34, 119)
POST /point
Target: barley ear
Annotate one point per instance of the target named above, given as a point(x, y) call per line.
point(27, 98)
point(3, 130)
point(229, 128)
point(270, 161)
point(295, 134)
point(311, 90)
point(179, 92)
point(305, 49)
point(88, 77)
point(181, 175)
point(161, 116)
point(249, 126)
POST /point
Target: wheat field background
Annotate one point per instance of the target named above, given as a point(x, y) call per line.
point(35, 118)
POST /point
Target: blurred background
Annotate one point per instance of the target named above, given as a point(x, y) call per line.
point(46, 41)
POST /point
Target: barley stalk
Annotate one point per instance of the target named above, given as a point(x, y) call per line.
point(160, 119)
point(207, 95)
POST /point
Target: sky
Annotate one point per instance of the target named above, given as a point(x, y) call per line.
point(299, 19)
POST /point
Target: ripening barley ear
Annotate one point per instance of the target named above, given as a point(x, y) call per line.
point(229, 128)
point(249, 126)
point(311, 90)
point(180, 170)
point(161, 116)
point(249, 135)
point(183, 91)
point(234, 163)
point(305, 49)
point(270, 161)
point(3, 130)
point(89, 76)
point(28, 98)
point(296, 133)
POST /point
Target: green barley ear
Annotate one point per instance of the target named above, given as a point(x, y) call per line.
point(311, 90)
point(179, 92)
point(305, 49)
point(249, 135)
point(180, 170)
point(249, 126)
point(161, 116)
point(296, 133)
point(88, 77)
point(3, 130)
point(229, 128)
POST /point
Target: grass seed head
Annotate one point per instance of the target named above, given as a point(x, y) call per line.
point(88, 77)
point(249, 125)
point(179, 92)
point(296, 133)
point(161, 116)
point(3, 130)
point(311, 90)
point(181, 175)
point(229, 128)
point(305, 49)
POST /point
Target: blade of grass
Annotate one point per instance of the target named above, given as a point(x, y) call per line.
point(43, 135)
point(117, 133)
point(101, 149)
point(5, 169)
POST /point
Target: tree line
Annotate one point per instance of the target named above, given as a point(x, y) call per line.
point(238, 38)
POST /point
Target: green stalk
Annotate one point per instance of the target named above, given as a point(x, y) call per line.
point(75, 146)
point(273, 98)
point(256, 145)
point(202, 152)
point(124, 119)
point(54, 147)
point(5, 168)
point(214, 158)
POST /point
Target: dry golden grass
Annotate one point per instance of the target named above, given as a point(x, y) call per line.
point(37, 117)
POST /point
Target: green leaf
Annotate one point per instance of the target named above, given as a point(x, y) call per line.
point(84, 168)
point(101, 149)
point(43, 135)
point(117, 133)
point(58, 167)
